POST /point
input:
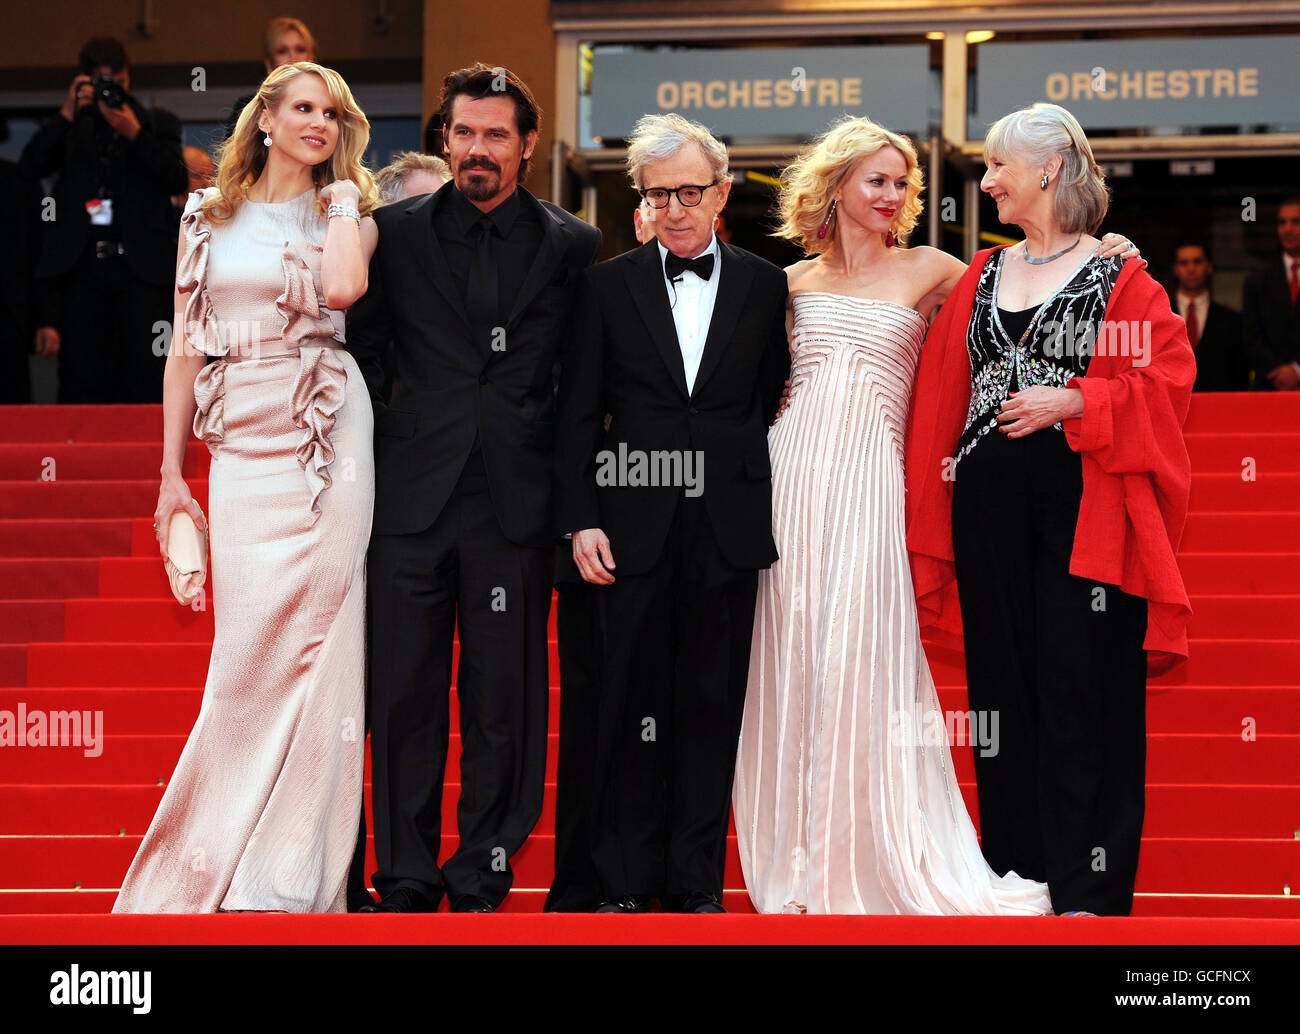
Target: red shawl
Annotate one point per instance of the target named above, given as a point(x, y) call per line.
point(1136, 472)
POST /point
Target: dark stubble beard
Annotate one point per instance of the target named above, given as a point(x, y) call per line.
point(479, 188)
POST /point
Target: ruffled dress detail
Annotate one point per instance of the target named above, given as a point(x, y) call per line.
point(261, 811)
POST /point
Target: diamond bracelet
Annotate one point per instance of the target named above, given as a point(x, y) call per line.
point(347, 210)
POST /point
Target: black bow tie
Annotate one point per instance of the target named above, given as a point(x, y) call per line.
point(701, 267)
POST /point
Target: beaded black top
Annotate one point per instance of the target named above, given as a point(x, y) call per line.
point(1051, 348)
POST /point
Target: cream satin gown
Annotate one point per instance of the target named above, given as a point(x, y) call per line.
point(842, 803)
point(261, 813)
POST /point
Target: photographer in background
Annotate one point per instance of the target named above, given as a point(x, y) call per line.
point(108, 254)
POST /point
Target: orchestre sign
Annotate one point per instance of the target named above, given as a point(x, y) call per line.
point(790, 92)
point(1125, 84)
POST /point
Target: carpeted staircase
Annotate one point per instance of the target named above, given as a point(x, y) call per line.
point(87, 623)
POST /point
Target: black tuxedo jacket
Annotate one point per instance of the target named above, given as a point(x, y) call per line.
point(625, 360)
point(446, 389)
point(1222, 360)
point(146, 173)
point(1270, 321)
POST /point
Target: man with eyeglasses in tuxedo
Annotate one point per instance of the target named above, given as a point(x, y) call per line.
point(682, 343)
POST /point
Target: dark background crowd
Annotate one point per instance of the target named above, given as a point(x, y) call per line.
point(91, 213)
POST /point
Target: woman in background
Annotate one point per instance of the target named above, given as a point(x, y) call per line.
point(285, 41)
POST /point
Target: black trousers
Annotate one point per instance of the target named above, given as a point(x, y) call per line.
point(107, 317)
point(358, 895)
point(675, 664)
point(576, 886)
point(460, 574)
point(1059, 660)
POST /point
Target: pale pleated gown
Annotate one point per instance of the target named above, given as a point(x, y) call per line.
point(261, 812)
point(843, 803)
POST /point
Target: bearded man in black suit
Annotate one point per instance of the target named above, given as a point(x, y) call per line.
point(473, 285)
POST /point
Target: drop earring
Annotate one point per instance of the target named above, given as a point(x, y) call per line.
point(1043, 182)
point(890, 239)
point(826, 224)
point(267, 139)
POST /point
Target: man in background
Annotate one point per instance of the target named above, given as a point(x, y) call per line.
point(20, 229)
point(411, 173)
point(1213, 330)
point(1271, 308)
point(198, 163)
point(108, 254)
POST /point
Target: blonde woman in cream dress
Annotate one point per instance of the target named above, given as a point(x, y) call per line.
point(261, 813)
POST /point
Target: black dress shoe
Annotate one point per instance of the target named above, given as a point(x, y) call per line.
point(471, 903)
point(403, 899)
point(695, 903)
point(626, 903)
point(359, 900)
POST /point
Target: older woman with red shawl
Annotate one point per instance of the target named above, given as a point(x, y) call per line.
point(1047, 484)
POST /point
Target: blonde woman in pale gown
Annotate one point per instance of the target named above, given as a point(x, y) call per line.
point(845, 801)
point(261, 812)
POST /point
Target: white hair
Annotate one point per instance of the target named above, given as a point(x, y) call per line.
point(1040, 132)
point(657, 137)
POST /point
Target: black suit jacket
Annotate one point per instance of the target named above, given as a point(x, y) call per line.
point(1271, 323)
point(625, 360)
point(447, 390)
point(148, 171)
point(20, 227)
point(1222, 361)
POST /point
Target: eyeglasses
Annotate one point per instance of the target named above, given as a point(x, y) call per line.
point(687, 196)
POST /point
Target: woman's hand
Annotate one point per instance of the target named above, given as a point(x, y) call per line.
point(785, 401)
point(1113, 244)
point(1037, 407)
point(174, 495)
point(340, 192)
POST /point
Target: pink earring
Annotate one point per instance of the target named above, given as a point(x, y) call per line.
point(826, 225)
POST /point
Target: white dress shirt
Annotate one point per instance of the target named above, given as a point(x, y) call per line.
point(1201, 303)
point(692, 301)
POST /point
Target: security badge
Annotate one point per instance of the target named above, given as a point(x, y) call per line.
point(100, 210)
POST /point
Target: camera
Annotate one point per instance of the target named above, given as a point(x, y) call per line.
point(107, 89)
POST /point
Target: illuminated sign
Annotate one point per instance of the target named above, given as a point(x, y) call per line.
point(1126, 84)
point(747, 93)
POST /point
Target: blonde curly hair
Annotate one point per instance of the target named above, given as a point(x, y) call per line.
point(243, 156)
point(811, 180)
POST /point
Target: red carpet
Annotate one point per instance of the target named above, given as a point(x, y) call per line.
point(87, 624)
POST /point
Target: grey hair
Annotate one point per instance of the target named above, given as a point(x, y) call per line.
point(1040, 132)
point(392, 176)
point(657, 137)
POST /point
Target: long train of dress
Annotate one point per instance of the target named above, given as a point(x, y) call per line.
point(845, 798)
